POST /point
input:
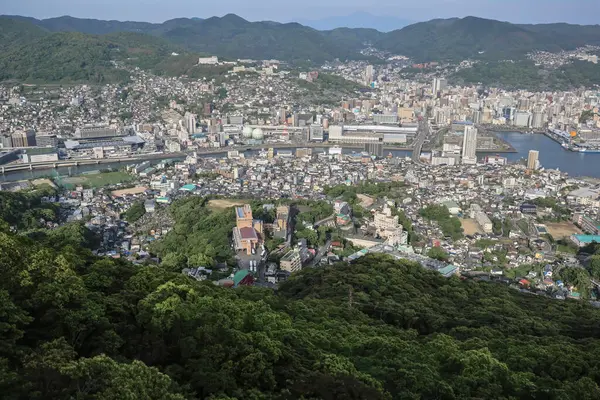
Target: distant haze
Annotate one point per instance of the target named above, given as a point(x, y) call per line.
point(316, 13)
point(357, 20)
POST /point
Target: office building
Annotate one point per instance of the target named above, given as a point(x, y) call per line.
point(282, 115)
point(335, 132)
point(439, 84)
point(46, 140)
point(391, 119)
point(7, 141)
point(533, 160)
point(522, 119)
point(236, 120)
point(469, 148)
point(94, 132)
point(23, 139)
point(303, 152)
point(374, 148)
point(315, 132)
point(538, 120)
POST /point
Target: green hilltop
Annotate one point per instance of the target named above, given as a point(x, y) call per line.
point(67, 48)
point(73, 325)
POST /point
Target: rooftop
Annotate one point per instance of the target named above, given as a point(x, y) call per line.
point(587, 238)
point(248, 233)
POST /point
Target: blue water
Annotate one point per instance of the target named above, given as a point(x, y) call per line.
point(552, 155)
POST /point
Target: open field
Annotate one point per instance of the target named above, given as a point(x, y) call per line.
point(470, 226)
point(559, 230)
point(133, 190)
point(365, 201)
point(43, 181)
point(99, 180)
point(222, 204)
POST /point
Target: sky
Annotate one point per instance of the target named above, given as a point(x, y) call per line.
point(517, 11)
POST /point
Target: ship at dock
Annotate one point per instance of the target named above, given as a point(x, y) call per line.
point(566, 141)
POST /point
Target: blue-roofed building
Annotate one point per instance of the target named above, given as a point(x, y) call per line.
point(190, 187)
point(583, 240)
point(449, 270)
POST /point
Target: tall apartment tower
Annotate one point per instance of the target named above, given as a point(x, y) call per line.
point(533, 159)
point(368, 75)
point(190, 123)
point(469, 149)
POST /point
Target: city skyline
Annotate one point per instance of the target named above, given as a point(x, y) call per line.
point(528, 11)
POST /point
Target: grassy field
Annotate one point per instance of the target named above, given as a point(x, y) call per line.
point(98, 180)
point(222, 204)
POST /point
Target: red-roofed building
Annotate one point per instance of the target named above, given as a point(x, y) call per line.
point(247, 235)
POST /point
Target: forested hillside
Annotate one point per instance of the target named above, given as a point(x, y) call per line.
point(435, 40)
point(76, 326)
point(32, 54)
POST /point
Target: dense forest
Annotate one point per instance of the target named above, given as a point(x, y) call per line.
point(526, 75)
point(71, 49)
point(76, 326)
point(434, 40)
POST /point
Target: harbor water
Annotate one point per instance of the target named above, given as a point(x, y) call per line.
point(552, 155)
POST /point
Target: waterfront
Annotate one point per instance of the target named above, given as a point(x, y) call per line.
point(552, 155)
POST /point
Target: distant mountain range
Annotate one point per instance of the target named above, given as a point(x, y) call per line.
point(357, 20)
point(231, 36)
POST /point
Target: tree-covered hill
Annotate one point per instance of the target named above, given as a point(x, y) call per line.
point(76, 326)
point(473, 37)
point(438, 39)
point(33, 54)
point(526, 75)
point(87, 45)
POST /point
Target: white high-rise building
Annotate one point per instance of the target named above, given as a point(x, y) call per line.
point(439, 84)
point(368, 75)
point(469, 149)
point(190, 123)
point(538, 120)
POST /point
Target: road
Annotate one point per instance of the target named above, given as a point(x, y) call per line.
point(422, 133)
point(322, 251)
